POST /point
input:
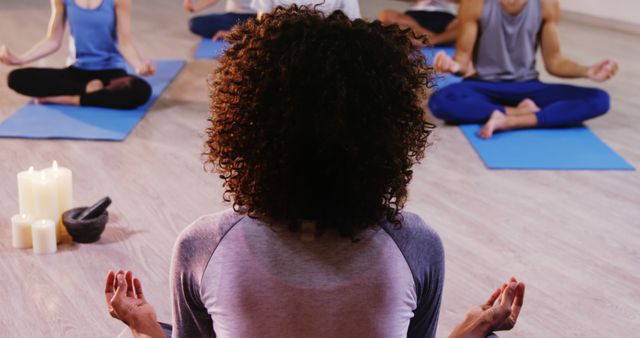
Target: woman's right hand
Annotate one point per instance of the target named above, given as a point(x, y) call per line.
point(491, 316)
point(8, 58)
point(443, 63)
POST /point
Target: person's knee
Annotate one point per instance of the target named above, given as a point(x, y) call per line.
point(599, 101)
point(128, 93)
point(195, 25)
point(16, 80)
point(139, 92)
point(440, 104)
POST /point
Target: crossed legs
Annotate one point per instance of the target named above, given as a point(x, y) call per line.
point(515, 105)
point(73, 86)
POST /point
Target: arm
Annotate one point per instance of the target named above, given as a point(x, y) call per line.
point(46, 46)
point(192, 7)
point(125, 40)
point(469, 16)
point(450, 34)
point(558, 65)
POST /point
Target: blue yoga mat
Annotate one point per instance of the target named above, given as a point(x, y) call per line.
point(208, 49)
point(574, 148)
point(86, 123)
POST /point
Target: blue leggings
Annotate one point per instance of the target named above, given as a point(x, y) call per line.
point(208, 25)
point(473, 101)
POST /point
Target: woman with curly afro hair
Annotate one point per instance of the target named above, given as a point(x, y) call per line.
point(316, 122)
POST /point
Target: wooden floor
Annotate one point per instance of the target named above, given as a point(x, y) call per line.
point(573, 236)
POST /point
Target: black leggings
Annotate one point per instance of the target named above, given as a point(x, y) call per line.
point(121, 90)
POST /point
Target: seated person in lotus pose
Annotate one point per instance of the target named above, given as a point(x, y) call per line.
point(216, 26)
point(101, 42)
point(435, 19)
point(315, 142)
point(501, 38)
point(349, 7)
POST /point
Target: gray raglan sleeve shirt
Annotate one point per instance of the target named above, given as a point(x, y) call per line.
point(418, 243)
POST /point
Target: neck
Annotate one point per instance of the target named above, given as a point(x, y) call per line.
point(513, 7)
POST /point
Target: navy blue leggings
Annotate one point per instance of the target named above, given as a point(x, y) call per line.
point(208, 25)
point(473, 101)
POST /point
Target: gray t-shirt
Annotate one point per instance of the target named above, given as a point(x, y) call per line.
point(235, 276)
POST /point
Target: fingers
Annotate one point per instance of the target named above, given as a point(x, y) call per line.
point(121, 287)
point(519, 298)
point(108, 288)
point(508, 293)
point(493, 297)
point(128, 276)
point(4, 54)
point(440, 60)
point(138, 287)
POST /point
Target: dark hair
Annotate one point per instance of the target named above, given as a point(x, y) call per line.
point(318, 117)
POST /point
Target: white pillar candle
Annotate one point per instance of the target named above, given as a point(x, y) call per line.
point(44, 236)
point(46, 197)
point(21, 231)
point(26, 197)
point(64, 181)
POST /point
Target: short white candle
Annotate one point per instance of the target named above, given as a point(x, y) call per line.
point(21, 231)
point(44, 236)
point(64, 181)
point(26, 198)
point(46, 197)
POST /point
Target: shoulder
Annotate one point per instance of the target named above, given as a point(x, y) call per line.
point(550, 9)
point(471, 9)
point(122, 3)
point(208, 229)
point(201, 238)
point(419, 243)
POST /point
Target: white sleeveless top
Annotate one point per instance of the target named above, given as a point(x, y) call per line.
point(435, 6)
point(350, 7)
point(239, 7)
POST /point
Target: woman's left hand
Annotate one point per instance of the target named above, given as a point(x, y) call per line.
point(126, 302)
point(8, 58)
point(148, 68)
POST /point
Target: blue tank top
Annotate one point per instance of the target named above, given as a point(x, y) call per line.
point(94, 39)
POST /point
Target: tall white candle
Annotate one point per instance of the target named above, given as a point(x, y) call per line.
point(21, 231)
point(64, 181)
point(26, 197)
point(46, 196)
point(44, 236)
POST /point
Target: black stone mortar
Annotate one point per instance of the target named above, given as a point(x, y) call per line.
point(85, 231)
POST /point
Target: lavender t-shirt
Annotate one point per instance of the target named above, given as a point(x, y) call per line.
point(235, 276)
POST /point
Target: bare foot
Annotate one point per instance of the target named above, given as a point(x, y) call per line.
point(71, 100)
point(93, 86)
point(497, 121)
point(529, 106)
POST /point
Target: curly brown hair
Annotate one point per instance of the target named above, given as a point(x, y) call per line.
point(318, 117)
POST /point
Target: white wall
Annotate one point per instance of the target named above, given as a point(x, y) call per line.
point(619, 10)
